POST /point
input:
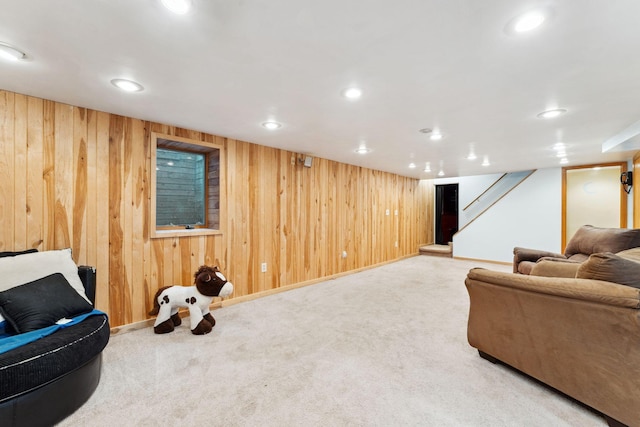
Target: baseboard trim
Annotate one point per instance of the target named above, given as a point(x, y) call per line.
point(489, 261)
point(129, 327)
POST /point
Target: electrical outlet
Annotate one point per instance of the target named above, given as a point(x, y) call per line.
point(387, 212)
point(395, 212)
point(264, 267)
point(396, 244)
point(344, 254)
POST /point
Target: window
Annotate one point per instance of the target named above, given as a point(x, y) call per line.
point(185, 190)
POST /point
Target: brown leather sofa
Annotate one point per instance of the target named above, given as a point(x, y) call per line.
point(586, 241)
point(579, 335)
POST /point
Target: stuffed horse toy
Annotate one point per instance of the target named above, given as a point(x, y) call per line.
point(209, 283)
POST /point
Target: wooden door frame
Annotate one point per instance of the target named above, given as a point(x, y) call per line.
point(438, 217)
point(636, 191)
point(623, 195)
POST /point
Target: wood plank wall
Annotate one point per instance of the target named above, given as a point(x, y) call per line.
point(79, 178)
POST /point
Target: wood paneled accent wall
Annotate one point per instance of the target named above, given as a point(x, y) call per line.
point(79, 178)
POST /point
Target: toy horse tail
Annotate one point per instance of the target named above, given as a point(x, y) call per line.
point(156, 306)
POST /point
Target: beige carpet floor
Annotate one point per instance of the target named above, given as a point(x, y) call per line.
point(383, 347)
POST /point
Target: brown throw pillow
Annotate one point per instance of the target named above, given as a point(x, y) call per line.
point(610, 268)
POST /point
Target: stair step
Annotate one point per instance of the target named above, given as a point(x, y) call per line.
point(437, 250)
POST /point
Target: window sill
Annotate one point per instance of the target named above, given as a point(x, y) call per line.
point(161, 234)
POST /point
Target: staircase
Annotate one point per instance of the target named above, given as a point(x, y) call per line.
point(485, 201)
point(492, 195)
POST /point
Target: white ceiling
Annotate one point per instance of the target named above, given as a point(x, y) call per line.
point(229, 65)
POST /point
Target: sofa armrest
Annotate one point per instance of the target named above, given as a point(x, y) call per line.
point(596, 291)
point(88, 277)
point(533, 255)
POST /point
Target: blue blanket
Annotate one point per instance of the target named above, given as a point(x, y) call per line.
point(9, 342)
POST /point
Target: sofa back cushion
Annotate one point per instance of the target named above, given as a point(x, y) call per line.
point(23, 268)
point(590, 240)
point(632, 254)
point(9, 253)
point(610, 268)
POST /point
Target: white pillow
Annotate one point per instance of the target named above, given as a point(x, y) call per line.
point(20, 269)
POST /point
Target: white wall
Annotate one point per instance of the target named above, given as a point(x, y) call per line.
point(529, 216)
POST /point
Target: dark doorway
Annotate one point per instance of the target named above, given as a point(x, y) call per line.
point(446, 213)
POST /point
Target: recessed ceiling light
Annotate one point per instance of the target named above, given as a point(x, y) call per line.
point(472, 152)
point(564, 161)
point(362, 149)
point(179, 7)
point(551, 114)
point(271, 125)
point(559, 146)
point(441, 173)
point(412, 165)
point(352, 93)
point(528, 21)
point(127, 85)
point(427, 167)
point(435, 136)
point(485, 161)
point(11, 53)
point(425, 130)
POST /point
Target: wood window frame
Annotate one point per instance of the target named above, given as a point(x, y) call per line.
point(159, 140)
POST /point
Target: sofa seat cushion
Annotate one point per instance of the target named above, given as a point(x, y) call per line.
point(610, 267)
point(555, 268)
point(29, 367)
point(551, 267)
point(578, 257)
point(525, 267)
